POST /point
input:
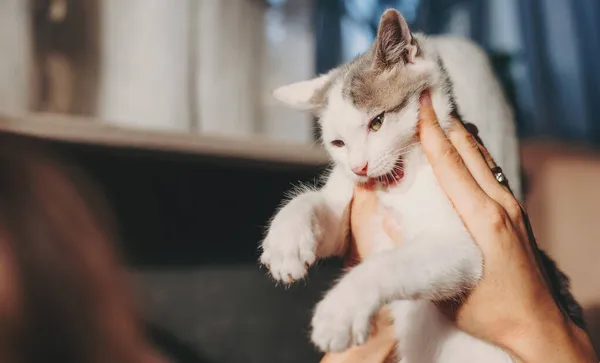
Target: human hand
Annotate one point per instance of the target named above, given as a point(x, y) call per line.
point(380, 346)
point(512, 306)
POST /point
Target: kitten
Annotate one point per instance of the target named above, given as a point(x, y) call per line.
point(368, 111)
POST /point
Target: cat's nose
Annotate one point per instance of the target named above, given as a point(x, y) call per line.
point(361, 169)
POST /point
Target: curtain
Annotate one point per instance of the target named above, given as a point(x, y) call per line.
point(561, 41)
point(16, 59)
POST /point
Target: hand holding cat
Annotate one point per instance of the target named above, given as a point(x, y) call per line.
point(512, 306)
point(513, 299)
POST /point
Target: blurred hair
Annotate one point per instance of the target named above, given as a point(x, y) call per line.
point(74, 304)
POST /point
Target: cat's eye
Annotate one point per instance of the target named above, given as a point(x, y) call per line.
point(338, 143)
point(376, 123)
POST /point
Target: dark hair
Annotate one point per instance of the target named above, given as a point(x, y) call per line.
point(74, 303)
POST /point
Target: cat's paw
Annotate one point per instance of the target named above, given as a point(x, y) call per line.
point(342, 319)
point(289, 248)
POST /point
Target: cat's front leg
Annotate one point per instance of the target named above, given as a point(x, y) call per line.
point(416, 270)
point(312, 225)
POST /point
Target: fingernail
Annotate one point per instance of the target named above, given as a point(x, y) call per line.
point(425, 98)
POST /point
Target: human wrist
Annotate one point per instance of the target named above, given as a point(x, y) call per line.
point(555, 340)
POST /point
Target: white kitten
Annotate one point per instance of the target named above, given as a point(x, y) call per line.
point(368, 112)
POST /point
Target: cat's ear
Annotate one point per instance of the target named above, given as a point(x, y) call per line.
point(395, 43)
point(303, 95)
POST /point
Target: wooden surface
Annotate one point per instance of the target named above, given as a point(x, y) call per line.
point(96, 132)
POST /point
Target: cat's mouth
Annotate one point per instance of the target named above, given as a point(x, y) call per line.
point(392, 177)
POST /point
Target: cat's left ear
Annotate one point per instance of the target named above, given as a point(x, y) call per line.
point(304, 95)
point(395, 43)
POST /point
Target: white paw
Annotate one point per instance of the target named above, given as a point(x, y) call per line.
point(289, 248)
point(342, 319)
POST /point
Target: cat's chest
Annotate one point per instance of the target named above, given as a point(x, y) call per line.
point(420, 206)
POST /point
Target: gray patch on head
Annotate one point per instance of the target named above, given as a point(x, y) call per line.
point(341, 74)
point(377, 90)
point(374, 90)
point(319, 99)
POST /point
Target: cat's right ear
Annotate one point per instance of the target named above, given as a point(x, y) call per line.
point(395, 43)
point(303, 95)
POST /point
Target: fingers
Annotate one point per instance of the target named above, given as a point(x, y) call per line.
point(486, 155)
point(492, 164)
point(465, 176)
point(377, 349)
point(450, 170)
point(392, 229)
point(364, 205)
point(472, 128)
point(479, 162)
point(511, 205)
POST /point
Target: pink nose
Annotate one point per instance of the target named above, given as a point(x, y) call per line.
point(361, 169)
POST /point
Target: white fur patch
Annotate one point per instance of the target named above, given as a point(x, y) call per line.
point(298, 95)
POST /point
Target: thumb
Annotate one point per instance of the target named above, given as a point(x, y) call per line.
point(427, 116)
point(392, 229)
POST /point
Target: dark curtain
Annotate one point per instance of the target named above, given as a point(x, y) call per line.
point(586, 14)
point(558, 93)
point(561, 41)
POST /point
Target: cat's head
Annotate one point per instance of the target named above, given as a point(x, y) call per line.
point(368, 108)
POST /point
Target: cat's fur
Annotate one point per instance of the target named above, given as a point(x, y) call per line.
point(438, 259)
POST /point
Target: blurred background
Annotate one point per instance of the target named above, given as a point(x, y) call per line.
point(167, 104)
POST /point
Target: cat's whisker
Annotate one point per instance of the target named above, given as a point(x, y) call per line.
point(387, 178)
point(405, 148)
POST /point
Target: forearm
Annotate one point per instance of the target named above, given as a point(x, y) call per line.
point(557, 341)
